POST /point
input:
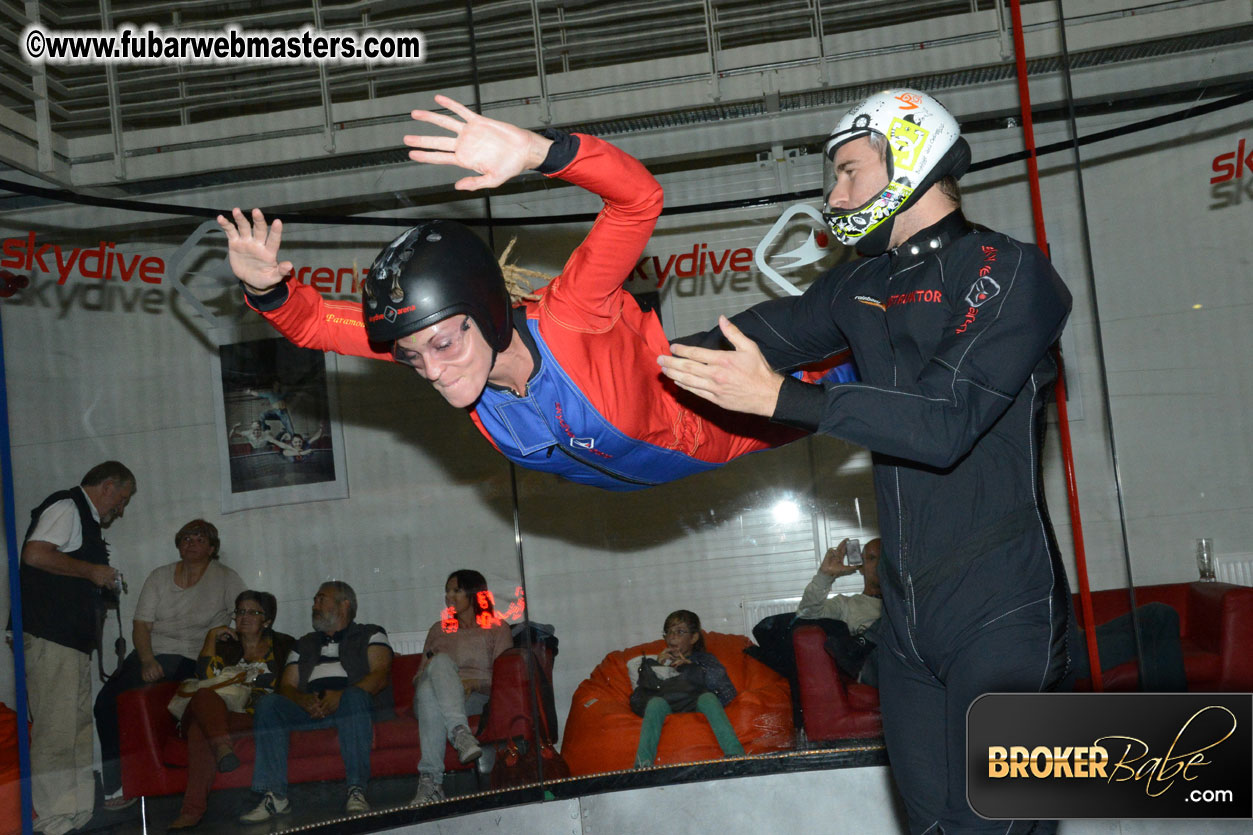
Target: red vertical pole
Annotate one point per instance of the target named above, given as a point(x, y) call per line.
point(1063, 421)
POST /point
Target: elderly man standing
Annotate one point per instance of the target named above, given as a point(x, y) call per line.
point(65, 562)
point(338, 676)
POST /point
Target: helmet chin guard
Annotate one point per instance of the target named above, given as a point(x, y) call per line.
point(924, 144)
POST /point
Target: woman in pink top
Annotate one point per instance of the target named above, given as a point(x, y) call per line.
point(455, 678)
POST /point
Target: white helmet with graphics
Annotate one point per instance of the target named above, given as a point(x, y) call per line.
point(924, 144)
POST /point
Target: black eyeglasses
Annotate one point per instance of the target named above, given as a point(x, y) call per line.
point(239, 613)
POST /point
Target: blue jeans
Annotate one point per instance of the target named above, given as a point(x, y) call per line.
point(277, 716)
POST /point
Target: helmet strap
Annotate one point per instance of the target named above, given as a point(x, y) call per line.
point(876, 241)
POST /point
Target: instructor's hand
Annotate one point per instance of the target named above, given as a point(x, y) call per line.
point(254, 250)
point(739, 380)
point(497, 150)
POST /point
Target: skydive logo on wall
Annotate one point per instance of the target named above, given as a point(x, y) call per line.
point(1229, 185)
point(36, 273)
point(802, 248)
point(1110, 755)
point(725, 268)
point(89, 262)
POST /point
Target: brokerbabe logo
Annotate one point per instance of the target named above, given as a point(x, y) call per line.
point(1110, 755)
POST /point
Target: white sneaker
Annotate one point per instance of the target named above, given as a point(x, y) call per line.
point(357, 804)
point(270, 806)
point(467, 746)
point(429, 790)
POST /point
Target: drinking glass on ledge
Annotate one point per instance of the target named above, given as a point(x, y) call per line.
point(1205, 558)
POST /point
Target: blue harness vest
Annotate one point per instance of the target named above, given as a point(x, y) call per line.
point(554, 428)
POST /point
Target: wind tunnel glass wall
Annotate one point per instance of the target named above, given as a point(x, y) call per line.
point(389, 489)
point(413, 492)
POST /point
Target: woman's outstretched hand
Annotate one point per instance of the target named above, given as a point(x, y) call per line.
point(254, 250)
point(497, 150)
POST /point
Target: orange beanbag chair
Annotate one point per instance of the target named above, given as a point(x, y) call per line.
point(602, 733)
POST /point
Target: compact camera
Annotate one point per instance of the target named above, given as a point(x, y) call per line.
point(852, 553)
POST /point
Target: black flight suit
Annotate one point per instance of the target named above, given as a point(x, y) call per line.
point(950, 333)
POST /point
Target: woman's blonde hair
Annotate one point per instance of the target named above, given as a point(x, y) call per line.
point(519, 281)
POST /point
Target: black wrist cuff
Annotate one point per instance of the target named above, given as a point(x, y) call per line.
point(270, 300)
point(564, 148)
point(800, 404)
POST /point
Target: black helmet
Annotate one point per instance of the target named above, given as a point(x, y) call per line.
point(433, 271)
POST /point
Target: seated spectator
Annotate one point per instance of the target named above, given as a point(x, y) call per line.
point(859, 612)
point(178, 604)
point(207, 721)
point(455, 677)
point(338, 676)
point(685, 659)
point(1163, 670)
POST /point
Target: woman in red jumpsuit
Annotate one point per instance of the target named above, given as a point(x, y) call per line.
point(567, 383)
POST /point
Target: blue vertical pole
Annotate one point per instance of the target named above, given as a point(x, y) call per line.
point(15, 595)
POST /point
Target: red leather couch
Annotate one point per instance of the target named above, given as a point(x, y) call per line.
point(10, 774)
point(1215, 629)
point(602, 733)
point(154, 756)
point(1215, 626)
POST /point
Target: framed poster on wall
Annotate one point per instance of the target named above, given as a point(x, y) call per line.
point(279, 438)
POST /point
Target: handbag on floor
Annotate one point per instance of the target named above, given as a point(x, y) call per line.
point(519, 762)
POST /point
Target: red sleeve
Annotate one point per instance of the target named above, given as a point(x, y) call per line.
point(585, 295)
point(310, 321)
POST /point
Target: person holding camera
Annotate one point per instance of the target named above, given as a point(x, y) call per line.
point(65, 567)
point(858, 612)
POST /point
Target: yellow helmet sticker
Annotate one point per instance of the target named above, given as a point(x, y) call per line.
point(906, 140)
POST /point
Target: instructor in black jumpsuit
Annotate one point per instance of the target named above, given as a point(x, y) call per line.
point(949, 325)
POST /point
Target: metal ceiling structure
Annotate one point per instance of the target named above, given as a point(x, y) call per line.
point(634, 67)
point(512, 39)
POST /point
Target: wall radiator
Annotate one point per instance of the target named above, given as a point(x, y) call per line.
point(1234, 568)
point(755, 610)
point(406, 643)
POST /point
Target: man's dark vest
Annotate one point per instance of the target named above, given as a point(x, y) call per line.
point(353, 655)
point(58, 608)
